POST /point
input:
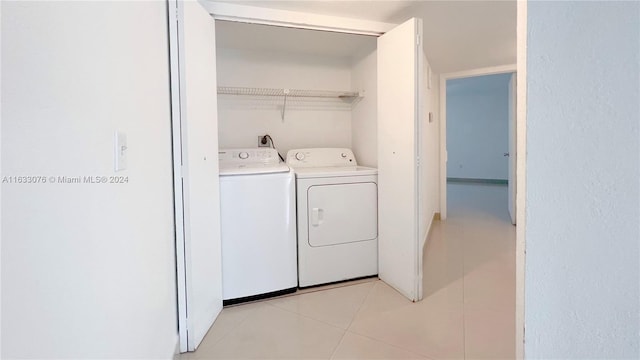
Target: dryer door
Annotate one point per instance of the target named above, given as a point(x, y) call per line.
point(342, 213)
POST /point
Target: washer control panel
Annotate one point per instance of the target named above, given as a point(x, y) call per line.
point(321, 157)
point(248, 156)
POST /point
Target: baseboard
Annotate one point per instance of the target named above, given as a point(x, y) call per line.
point(477, 181)
point(435, 217)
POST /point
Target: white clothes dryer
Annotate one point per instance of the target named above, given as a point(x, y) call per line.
point(337, 216)
point(258, 227)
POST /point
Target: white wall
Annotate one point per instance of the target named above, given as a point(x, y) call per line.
point(242, 120)
point(364, 121)
point(430, 155)
point(88, 270)
point(582, 237)
point(477, 127)
point(429, 192)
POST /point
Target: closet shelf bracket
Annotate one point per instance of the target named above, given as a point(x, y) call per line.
point(284, 102)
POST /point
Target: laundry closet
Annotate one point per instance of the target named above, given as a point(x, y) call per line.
point(319, 85)
point(316, 224)
point(305, 88)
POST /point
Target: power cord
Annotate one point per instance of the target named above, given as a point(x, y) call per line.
point(273, 145)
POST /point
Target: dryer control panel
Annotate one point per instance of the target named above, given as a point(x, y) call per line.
point(321, 157)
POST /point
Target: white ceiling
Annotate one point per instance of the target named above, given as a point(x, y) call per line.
point(458, 35)
point(237, 35)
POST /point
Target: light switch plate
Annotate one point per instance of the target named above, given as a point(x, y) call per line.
point(120, 148)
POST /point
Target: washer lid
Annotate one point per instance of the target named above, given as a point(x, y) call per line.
point(252, 169)
point(334, 171)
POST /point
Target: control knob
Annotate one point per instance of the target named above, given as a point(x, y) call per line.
point(299, 156)
point(343, 155)
point(243, 155)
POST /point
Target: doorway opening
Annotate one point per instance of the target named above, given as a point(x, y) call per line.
point(480, 137)
point(466, 168)
point(478, 192)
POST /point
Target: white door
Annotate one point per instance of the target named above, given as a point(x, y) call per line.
point(399, 99)
point(512, 149)
point(197, 192)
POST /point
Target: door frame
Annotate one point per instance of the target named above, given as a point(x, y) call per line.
point(295, 19)
point(257, 15)
point(302, 20)
point(494, 70)
point(519, 69)
point(245, 14)
point(521, 148)
point(174, 12)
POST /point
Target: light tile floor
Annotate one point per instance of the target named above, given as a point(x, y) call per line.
point(468, 309)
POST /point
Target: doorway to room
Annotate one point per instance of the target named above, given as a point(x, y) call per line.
point(483, 107)
point(478, 145)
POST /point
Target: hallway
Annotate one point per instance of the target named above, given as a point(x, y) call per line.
point(468, 309)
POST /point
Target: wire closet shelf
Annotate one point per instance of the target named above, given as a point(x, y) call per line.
point(344, 98)
point(249, 91)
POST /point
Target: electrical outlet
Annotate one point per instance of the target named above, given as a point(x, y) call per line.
point(267, 144)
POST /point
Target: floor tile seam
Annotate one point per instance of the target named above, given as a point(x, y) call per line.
point(233, 328)
point(425, 356)
point(362, 304)
point(281, 307)
point(265, 304)
point(308, 317)
point(335, 349)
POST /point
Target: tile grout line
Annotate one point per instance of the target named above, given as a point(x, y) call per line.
point(369, 337)
point(306, 316)
point(352, 318)
point(333, 353)
point(344, 331)
point(426, 357)
point(375, 283)
point(232, 329)
point(268, 302)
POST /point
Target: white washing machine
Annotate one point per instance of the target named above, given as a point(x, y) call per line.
point(258, 225)
point(337, 216)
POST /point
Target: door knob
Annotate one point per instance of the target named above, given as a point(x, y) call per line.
point(505, 154)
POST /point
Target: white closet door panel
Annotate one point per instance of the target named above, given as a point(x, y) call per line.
point(399, 54)
point(200, 291)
